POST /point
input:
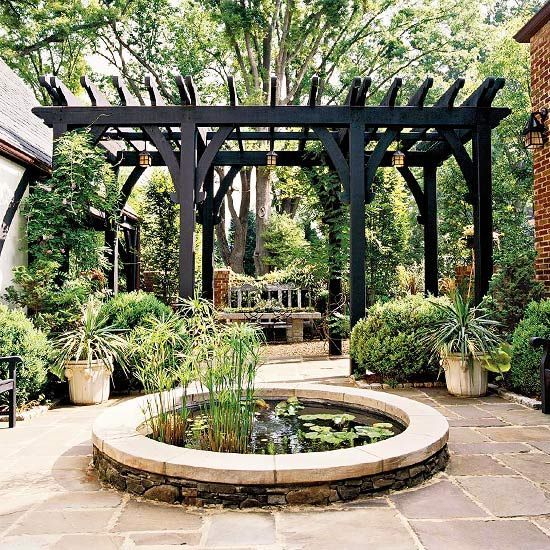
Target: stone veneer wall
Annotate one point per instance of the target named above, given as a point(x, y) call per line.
point(189, 492)
point(540, 86)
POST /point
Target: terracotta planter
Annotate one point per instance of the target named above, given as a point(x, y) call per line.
point(464, 379)
point(88, 384)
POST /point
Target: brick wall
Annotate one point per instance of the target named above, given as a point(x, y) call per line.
point(221, 288)
point(540, 87)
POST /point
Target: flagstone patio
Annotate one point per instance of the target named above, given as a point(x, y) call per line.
point(493, 494)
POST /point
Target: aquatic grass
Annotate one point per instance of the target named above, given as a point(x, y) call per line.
point(228, 361)
point(155, 350)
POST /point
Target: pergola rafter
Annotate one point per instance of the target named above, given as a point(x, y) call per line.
point(356, 139)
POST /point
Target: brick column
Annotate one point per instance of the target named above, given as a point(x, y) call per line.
point(540, 85)
point(221, 288)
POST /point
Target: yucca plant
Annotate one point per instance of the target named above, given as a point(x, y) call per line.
point(466, 340)
point(92, 339)
point(462, 329)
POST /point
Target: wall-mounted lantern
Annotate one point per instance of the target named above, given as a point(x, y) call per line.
point(533, 133)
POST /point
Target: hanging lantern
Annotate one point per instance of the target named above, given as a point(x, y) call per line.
point(533, 133)
point(144, 159)
point(271, 159)
point(398, 159)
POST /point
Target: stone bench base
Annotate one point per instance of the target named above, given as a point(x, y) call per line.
point(194, 493)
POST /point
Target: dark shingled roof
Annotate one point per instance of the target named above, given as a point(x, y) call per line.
point(21, 131)
point(534, 24)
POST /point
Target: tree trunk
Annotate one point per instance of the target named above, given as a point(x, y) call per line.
point(234, 256)
point(263, 213)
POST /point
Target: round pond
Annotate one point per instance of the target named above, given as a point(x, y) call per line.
point(126, 458)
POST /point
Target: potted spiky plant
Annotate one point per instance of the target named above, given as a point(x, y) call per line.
point(86, 355)
point(466, 340)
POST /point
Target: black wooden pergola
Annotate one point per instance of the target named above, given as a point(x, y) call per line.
point(357, 139)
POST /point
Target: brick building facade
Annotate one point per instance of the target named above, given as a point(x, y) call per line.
point(536, 32)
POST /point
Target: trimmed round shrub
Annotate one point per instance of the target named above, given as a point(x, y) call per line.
point(387, 342)
point(524, 376)
point(128, 310)
point(18, 336)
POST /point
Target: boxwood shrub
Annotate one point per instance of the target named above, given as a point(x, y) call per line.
point(18, 336)
point(127, 311)
point(524, 376)
point(387, 341)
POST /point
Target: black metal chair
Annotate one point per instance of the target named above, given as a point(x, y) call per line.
point(10, 385)
point(544, 343)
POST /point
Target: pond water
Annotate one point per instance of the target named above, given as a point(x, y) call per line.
point(289, 427)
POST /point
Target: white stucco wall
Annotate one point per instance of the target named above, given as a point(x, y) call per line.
point(12, 255)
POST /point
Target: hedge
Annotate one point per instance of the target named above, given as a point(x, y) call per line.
point(387, 341)
point(127, 311)
point(18, 336)
point(524, 376)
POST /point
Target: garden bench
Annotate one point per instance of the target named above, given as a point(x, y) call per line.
point(10, 385)
point(544, 343)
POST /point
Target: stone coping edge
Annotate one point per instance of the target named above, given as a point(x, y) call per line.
point(115, 434)
point(516, 397)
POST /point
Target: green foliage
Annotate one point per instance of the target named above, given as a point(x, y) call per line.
point(512, 288)
point(160, 231)
point(173, 350)
point(461, 328)
point(91, 339)
point(387, 233)
point(285, 241)
point(524, 376)
point(128, 310)
point(18, 336)
point(58, 210)
point(52, 306)
point(387, 342)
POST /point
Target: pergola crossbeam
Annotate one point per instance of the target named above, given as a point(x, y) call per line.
point(189, 140)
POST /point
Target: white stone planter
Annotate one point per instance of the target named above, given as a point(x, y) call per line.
point(464, 379)
point(88, 384)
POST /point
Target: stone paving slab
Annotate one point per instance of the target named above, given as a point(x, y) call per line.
point(507, 496)
point(439, 500)
point(49, 498)
point(477, 535)
point(377, 529)
point(488, 448)
point(241, 529)
point(478, 465)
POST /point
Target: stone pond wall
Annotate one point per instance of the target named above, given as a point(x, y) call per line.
point(189, 492)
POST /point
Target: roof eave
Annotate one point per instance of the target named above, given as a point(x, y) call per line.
point(534, 25)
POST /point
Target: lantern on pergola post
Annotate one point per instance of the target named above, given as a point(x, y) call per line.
point(533, 133)
point(144, 158)
point(271, 160)
point(398, 158)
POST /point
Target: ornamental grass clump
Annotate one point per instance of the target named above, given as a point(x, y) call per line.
point(156, 346)
point(171, 351)
point(227, 365)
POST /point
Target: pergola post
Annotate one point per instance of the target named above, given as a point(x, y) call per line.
point(357, 221)
point(483, 211)
point(208, 237)
point(186, 194)
point(431, 270)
